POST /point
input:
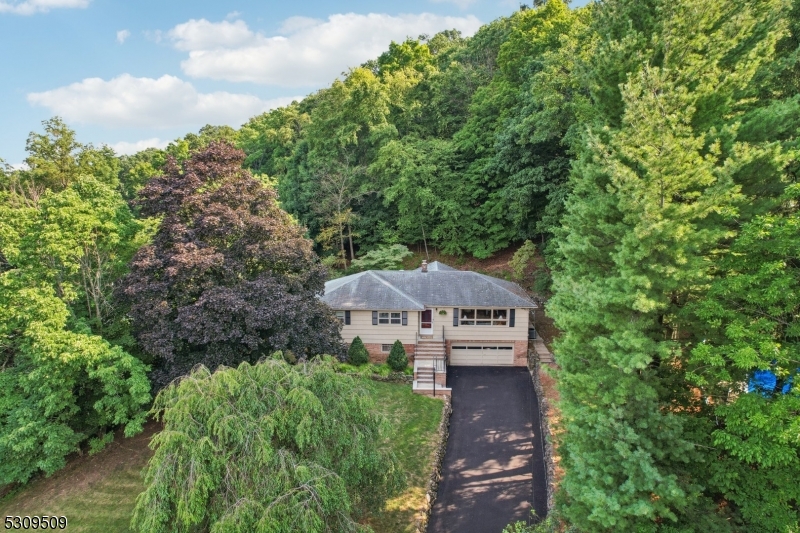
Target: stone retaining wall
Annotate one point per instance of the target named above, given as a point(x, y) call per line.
point(438, 459)
point(550, 465)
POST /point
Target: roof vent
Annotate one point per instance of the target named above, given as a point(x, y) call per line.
point(424, 266)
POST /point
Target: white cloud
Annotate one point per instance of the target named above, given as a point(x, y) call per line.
point(463, 4)
point(203, 35)
point(166, 102)
point(309, 52)
point(128, 148)
point(29, 7)
point(294, 24)
point(122, 35)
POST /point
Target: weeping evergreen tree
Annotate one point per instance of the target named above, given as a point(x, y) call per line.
point(269, 447)
point(654, 194)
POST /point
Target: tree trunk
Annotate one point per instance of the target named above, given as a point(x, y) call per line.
point(341, 244)
point(350, 237)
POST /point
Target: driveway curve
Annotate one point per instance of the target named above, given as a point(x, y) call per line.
point(493, 472)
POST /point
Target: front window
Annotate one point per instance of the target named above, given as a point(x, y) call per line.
point(389, 318)
point(483, 317)
point(340, 316)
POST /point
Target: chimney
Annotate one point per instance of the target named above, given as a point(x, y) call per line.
point(424, 266)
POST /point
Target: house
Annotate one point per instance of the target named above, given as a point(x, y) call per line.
point(440, 314)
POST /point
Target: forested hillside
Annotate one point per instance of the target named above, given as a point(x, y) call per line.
point(650, 149)
point(458, 143)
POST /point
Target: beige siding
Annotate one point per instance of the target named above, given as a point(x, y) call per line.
point(361, 326)
point(479, 333)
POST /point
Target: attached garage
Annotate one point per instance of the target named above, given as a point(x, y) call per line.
point(482, 354)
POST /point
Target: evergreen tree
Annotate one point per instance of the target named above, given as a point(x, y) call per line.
point(398, 360)
point(267, 447)
point(357, 354)
point(652, 192)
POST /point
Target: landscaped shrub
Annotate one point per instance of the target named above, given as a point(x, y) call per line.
point(398, 360)
point(357, 354)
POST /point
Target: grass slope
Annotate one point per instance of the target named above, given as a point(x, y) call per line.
point(97, 493)
point(414, 419)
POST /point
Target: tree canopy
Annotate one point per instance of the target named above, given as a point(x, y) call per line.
point(265, 447)
point(645, 154)
point(228, 277)
point(441, 140)
point(665, 312)
point(66, 236)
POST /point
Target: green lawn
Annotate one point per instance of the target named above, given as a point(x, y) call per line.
point(97, 493)
point(414, 419)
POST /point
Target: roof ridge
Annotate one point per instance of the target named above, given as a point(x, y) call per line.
point(388, 284)
point(354, 276)
point(491, 279)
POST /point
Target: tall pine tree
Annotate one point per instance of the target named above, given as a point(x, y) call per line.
point(652, 192)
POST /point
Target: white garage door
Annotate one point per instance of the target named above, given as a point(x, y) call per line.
point(485, 354)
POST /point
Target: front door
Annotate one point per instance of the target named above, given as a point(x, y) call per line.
point(426, 322)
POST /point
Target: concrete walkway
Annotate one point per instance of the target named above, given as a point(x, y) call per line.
point(493, 471)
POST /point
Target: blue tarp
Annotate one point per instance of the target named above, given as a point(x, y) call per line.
point(765, 382)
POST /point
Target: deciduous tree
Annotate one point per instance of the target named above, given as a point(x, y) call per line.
point(59, 386)
point(229, 276)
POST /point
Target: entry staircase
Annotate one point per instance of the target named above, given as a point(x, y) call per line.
point(541, 350)
point(430, 368)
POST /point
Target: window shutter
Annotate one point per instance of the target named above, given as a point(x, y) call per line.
point(511, 316)
point(374, 318)
point(347, 318)
point(405, 318)
point(455, 317)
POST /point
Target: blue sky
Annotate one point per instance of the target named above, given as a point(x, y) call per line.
point(139, 73)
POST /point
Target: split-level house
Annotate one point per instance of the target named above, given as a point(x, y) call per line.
point(440, 314)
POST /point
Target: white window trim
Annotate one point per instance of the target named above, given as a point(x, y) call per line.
point(493, 322)
point(390, 318)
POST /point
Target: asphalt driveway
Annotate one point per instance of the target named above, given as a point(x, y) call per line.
point(493, 472)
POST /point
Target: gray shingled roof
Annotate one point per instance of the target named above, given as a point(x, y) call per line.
point(413, 290)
